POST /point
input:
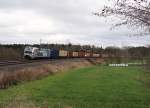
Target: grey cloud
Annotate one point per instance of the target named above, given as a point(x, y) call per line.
point(72, 19)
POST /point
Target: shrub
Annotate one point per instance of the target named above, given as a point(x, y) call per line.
point(33, 73)
point(147, 65)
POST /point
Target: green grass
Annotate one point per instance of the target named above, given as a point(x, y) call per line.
point(93, 87)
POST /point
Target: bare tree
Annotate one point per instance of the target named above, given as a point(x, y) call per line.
point(131, 12)
point(135, 13)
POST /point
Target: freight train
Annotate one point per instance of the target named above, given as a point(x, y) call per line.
point(36, 53)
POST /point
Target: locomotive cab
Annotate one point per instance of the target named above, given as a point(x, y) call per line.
point(29, 52)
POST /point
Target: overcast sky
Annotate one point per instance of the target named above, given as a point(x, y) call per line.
point(61, 21)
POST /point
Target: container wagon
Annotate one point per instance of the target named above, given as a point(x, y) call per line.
point(81, 54)
point(63, 53)
point(54, 54)
point(91, 54)
point(105, 55)
point(75, 54)
point(70, 54)
point(87, 54)
point(96, 55)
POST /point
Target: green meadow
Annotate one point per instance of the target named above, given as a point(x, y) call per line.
point(91, 87)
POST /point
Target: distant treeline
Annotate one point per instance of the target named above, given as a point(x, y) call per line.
point(133, 52)
point(15, 51)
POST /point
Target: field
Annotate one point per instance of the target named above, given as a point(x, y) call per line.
point(92, 87)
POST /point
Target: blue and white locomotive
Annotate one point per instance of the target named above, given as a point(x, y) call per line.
point(34, 52)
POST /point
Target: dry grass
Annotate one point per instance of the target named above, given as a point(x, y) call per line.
point(34, 73)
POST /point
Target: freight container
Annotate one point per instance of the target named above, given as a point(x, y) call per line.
point(87, 54)
point(100, 55)
point(70, 54)
point(96, 55)
point(91, 54)
point(75, 54)
point(63, 53)
point(105, 55)
point(81, 54)
point(54, 54)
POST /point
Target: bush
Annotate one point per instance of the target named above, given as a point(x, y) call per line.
point(35, 73)
point(147, 65)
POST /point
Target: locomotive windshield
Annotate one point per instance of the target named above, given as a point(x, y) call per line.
point(28, 52)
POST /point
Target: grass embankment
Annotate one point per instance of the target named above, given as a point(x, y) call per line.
point(93, 87)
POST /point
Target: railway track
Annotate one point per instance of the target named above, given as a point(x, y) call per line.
point(10, 63)
point(12, 66)
point(7, 63)
point(16, 63)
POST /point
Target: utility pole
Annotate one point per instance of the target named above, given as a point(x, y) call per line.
point(40, 43)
